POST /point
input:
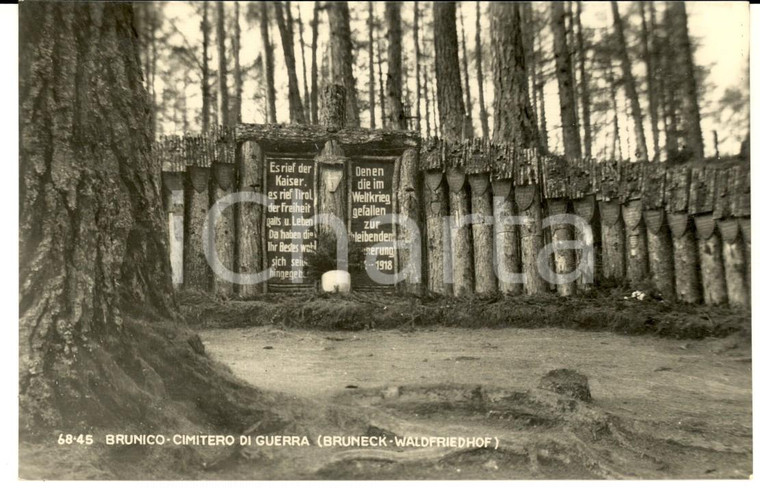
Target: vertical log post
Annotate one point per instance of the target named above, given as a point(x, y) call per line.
point(659, 243)
point(461, 230)
point(506, 237)
point(637, 258)
point(685, 262)
point(174, 203)
point(223, 184)
point(197, 273)
point(733, 262)
point(580, 188)
point(636, 262)
point(710, 260)
point(249, 224)
point(556, 193)
point(612, 233)
point(332, 186)
point(528, 200)
point(746, 231)
point(478, 155)
point(408, 196)
point(436, 209)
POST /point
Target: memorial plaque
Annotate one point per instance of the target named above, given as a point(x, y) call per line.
point(371, 197)
point(289, 219)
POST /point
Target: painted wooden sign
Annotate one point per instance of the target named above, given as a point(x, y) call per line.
point(289, 230)
point(372, 197)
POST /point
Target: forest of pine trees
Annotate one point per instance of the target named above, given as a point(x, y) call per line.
point(624, 87)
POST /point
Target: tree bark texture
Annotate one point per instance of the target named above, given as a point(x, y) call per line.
point(268, 63)
point(393, 92)
point(436, 212)
point(660, 247)
point(685, 259)
point(506, 238)
point(223, 184)
point(629, 83)
point(734, 263)
point(288, 51)
point(249, 225)
point(564, 259)
point(711, 261)
point(314, 70)
point(570, 133)
point(448, 80)
point(613, 241)
point(637, 258)
point(583, 82)
point(221, 37)
point(197, 273)
point(342, 57)
point(408, 197)
point(92, 229)
point(482, 234)
point(686, 76)
point(479, 73)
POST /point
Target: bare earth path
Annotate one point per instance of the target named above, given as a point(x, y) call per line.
point(700, 387)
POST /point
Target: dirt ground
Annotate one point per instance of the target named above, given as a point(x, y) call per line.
point(701, 388)
point(670, 387)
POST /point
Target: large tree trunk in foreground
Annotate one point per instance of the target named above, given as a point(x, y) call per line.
point(342, 57)
point(93, 247)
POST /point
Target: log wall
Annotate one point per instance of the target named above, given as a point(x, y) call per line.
point(682, 231)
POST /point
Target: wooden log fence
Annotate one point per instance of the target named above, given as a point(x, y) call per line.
point(683, 230)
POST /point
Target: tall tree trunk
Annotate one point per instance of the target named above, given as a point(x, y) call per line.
point(514, 127)
point(668, 85)
point(629, 82)
point(205, 83)
point(383, 118)
point(342, 57)
point(92, 231)
point(224, 104)
point(583, 82)
point(541, 82)
point(238, 75)
point(617, 151)
point(294, 94)
point(479, 70)
point(466, 75)
point(529, 40)
point(306, 96)
point(649, 60)
point(268, 63)
point(570, 134)
point(417, 68)
point(396, 116)
point(371, 46)
point(314, 75)
point(452, 119)
point(427, 101)
point(682, 45)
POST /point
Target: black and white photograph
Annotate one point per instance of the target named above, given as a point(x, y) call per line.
point(475, 240)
